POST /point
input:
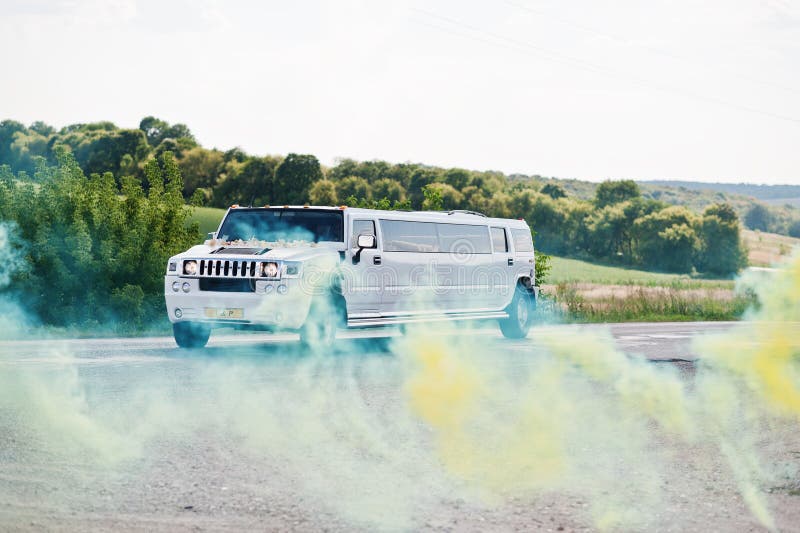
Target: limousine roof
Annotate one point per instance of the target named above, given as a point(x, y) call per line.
point(460, 216)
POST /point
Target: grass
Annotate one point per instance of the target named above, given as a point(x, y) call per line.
point(586, 292)
point(576, 271)
point(208, 218)
point(766, 249)
point(606, 303)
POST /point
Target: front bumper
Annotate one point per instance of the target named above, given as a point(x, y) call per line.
point(268, 306)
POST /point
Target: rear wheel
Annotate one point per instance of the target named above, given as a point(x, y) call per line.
point(191, 334)
point(520, 314)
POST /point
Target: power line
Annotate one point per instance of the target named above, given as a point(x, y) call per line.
point(576, 62)
point(653, 49)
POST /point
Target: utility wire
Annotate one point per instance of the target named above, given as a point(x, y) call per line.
point(527, 47)
point(653, 49)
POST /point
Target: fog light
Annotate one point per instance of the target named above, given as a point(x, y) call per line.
point(282, 289)
point(186, 287)
point(178, 313)
point(176, 286)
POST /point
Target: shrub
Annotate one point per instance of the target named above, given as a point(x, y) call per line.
point(96, 251)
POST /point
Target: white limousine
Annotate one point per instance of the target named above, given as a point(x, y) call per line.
point(318, 269)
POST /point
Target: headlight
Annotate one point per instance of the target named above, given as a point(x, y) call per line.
point(291, 269)
point(190, 268)
point(269, 270)
point(186, 287)
point(176, 286)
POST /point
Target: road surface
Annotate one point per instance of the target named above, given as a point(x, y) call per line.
point(252, 433)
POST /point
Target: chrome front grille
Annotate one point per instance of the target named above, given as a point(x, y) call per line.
point(227, 268)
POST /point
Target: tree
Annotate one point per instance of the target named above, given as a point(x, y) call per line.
point(615, 192)
point(554, 191)
point(433, 198)
point(758, 217)
point(457, 178)
point(442, 196)
point(7, 130)
point(201, 168)
point(721, 251)
point(248, 183)
point(353, 186)
point(156, 130)
point(96, 248)
point(666, 239)
point(294, 178)
point(794, 229)
point(323, 192)
point(418, 181)
point(389, 189)
point(610, 231)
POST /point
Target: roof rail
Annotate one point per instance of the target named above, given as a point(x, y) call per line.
point(465, 212)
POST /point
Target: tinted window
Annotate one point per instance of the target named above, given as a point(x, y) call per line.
point(283, 224)
point(499, 240)
point(362, 227)
point(406, 236)
point(463, 239)
point(426, 237)
point(522, 240)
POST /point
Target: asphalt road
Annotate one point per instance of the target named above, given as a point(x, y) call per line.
point(252, 433)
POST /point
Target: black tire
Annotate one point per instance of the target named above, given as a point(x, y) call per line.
point(191, 334)
point(520, 314)
point(324, 318)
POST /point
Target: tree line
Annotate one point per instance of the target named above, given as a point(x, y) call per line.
point(617, 226)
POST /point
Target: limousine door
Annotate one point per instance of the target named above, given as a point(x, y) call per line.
point(409, 267)
point(362, 285)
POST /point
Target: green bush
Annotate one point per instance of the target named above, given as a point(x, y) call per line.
point(96, 251)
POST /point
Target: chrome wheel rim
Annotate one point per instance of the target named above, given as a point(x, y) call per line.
point(522, 311)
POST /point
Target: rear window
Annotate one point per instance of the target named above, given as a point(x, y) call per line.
point(432, 237)
point(522, 240)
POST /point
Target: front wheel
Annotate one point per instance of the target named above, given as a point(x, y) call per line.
point(520, 314)
point(191, 334)
point(319, 330)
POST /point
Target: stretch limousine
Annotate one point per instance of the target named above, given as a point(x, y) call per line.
point(317, 269)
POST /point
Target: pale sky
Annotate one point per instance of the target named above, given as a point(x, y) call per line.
point(584, 89)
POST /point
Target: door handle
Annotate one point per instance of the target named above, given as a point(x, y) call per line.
point(376, 260)
point(510, 261)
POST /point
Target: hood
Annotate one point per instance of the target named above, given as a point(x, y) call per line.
point(261, 250)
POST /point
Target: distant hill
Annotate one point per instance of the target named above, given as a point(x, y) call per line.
point(771, 193)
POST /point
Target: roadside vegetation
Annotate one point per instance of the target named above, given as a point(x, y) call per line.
point(613, 222)
point(97, 210)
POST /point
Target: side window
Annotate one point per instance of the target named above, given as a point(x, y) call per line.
point(464, 239)
point(407, 236)
point(499, 240)
point(362, 227)
point(522, 240)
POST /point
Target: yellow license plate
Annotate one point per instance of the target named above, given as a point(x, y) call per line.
point(215, 312)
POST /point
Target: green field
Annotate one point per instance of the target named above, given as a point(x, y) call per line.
point(576, 271)
point(208, 218)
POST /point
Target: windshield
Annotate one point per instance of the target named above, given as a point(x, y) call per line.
point(283, 225)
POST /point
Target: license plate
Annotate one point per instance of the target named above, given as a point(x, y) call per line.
point(215, 312)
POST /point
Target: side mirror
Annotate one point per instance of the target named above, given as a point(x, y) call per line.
point(366, 241)
point(363, 241)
